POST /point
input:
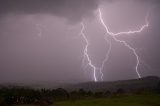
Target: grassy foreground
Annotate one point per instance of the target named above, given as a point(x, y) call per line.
point(134, 100)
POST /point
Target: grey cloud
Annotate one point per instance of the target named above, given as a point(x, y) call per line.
point(73, 10)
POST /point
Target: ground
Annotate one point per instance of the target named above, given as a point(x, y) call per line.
point(132, 100)
point(136, 100)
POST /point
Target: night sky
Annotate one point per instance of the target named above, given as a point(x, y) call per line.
point(40, 40)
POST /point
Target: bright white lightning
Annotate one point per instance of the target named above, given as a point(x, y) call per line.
point(106, 57)
point(86, 53)
point(127, 32)
point(113, 35)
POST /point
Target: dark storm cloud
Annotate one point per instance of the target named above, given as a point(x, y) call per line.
point(71, 9)
point(150, 1)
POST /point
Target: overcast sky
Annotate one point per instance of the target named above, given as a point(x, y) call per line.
point(40, 39)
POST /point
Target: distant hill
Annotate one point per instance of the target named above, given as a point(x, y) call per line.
point(150, 82)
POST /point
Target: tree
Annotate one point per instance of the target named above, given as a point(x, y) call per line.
point(61, 93)
point(99, 94)
point(82, 92)
point(107, 93)
point(89, 93)
point(120, 91)
point(158, 87)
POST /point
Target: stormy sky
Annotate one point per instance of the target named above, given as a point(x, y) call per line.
point(40, 39)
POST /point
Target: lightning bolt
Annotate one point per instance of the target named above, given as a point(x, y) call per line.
point(123, 33)
point(86, 56)
point(106, 58)
point(113, 36)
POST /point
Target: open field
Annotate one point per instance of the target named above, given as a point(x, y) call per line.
point(136, 100)
point(132, 100)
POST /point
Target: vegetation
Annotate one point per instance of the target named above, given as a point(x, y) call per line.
point(60, 97)
point(131, 100)
point(21, 96)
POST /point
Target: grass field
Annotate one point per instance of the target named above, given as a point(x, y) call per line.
point(134, 100)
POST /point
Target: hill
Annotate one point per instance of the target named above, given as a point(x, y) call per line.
point(150, 82)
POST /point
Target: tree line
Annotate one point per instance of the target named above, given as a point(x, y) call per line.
point(45, 97)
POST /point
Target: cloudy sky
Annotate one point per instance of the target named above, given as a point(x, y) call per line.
point(40, 39)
